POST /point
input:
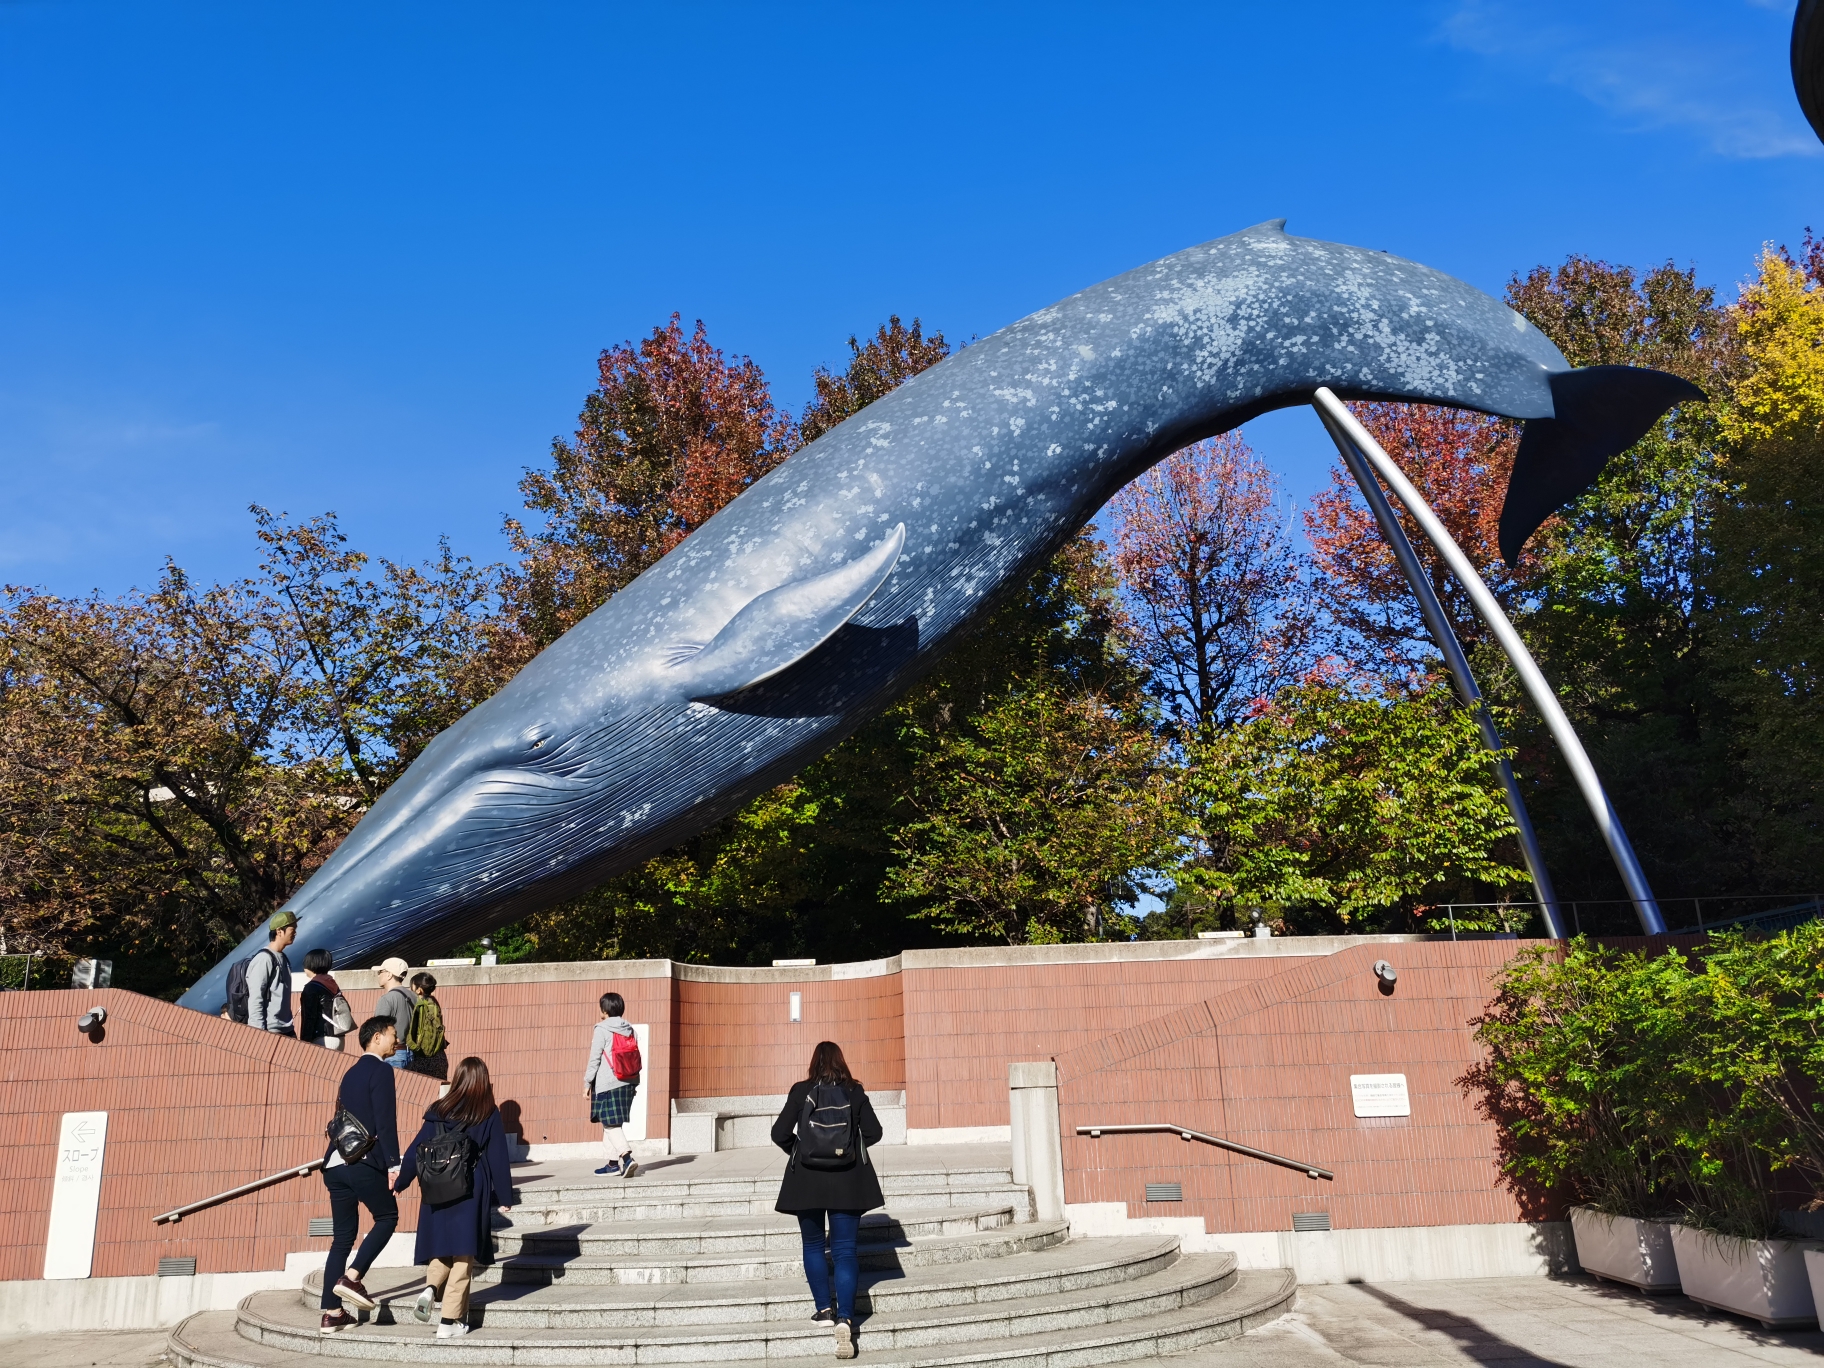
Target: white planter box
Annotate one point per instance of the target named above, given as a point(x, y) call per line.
point(1638, 1253)
point(1762, 1279)
point(1814, 1269)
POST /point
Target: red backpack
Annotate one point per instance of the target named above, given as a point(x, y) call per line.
point(624, 1056)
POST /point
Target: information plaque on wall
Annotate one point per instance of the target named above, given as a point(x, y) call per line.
point(76, 1194)
point(1380, 1095)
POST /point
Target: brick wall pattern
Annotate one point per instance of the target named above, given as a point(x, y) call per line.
point(195, 1104)
point(1268, 1065)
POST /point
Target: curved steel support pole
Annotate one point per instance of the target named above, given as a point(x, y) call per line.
point(1531, 678)
point(1458, 665)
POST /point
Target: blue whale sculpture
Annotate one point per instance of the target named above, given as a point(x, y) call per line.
point(817, 596)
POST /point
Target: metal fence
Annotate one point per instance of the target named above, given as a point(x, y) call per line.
point(1717, 912)
point(19, 972)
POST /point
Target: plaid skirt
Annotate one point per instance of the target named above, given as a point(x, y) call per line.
point(613, 1107)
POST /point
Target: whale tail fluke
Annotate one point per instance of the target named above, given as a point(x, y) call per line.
point(784, 625)
point(1601, 411)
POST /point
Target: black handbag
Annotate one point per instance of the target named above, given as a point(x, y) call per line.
point(351, 1139)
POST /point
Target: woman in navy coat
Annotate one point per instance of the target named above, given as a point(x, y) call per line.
point(455, 1237)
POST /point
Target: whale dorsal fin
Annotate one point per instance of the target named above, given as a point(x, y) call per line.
point(784, 625)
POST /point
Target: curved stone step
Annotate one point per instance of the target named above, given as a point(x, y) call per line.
point(1077, 1267)
point(637, 1201)
point(668, 1179)
point(210, 1340)
point(768, 1233)
point(994, 1243)
point(276, 1320)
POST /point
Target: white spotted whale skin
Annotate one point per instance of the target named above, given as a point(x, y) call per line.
point(817, 596)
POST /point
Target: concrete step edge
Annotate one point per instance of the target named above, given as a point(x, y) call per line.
point(209, 1339)
point(1094, 1263)
point(700, 1235)
point(269, 1317)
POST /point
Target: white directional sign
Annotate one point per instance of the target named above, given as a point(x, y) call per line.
point(77, 1195)
point(1380, 1094)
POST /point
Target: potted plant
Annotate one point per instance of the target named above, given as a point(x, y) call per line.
point(1762, 1279)
point(1625, 1249)
point(1752, 1123)
point(1573, 1078)
point(1642, 1086)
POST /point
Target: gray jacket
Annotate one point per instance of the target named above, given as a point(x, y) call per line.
point(269, 991)
point(399, 1004)
point(605, 1031)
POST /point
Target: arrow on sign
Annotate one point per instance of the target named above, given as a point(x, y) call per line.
point(80, 1132)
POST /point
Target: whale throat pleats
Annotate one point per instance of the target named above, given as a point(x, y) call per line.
point(784, 625)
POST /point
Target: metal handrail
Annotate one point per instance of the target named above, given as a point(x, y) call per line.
point(1186, 1133)
point(179, 1213)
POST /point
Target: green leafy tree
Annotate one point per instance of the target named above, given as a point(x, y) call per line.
point(1350, 809)
point(1031, 817)
point(174, 764)
point(1614, 606)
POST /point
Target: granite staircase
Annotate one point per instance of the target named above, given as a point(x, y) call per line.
point(673, 1268)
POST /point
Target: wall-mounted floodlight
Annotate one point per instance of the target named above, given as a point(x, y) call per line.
point(1386, 974)
point(92, 1020)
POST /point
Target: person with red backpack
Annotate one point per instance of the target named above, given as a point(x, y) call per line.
point(826, 1126)
point(614, 1063)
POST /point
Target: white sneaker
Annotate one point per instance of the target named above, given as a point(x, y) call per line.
point(426, 1307)
point(447, 1330)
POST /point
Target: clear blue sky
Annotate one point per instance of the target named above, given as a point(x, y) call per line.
point(362, 256)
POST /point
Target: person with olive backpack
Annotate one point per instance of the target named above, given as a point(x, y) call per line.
point(463, 1170)
point(826, 1126)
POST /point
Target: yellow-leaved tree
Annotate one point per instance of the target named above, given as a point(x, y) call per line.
point(1766, 572)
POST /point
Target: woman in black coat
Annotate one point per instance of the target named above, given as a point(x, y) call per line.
point(840, 1194)
point(455, 1237)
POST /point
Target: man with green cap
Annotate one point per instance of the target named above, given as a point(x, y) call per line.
point(269, 978)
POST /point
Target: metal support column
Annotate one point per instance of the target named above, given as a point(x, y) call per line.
point(1458, 665)
point(1531, 678)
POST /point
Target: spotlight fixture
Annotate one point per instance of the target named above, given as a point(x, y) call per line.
point(1387, 975)
point(92, 1020)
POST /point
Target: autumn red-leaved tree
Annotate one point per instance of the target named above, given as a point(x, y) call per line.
point(1214, 602)
point(1460, 462)
point(671, 433)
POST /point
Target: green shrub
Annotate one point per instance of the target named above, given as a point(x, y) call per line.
point(1661, 1086)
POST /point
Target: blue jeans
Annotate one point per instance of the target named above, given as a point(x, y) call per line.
point(844, 1227)
point(399, 1058)
point(351, 1187)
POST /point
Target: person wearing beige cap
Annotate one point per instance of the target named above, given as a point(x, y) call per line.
point(397, 1002)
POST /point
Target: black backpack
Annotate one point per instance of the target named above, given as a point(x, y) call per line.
point(827, 1135)
point(446, 1166)
point(238, 995)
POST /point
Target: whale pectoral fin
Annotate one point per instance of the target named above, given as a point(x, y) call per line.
point(1600, 411)
point(786, 624)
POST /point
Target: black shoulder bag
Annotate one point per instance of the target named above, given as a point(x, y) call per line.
point(351, 1139)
